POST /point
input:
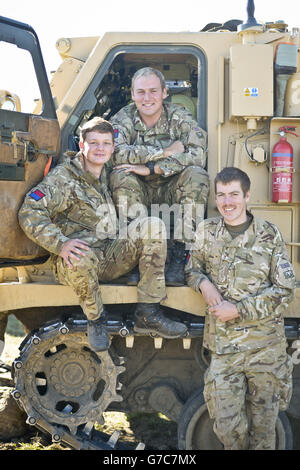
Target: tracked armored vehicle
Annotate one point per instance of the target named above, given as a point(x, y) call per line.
point(241, 82)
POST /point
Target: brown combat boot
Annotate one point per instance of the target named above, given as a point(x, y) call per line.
point(150, 319)
point(98, 337)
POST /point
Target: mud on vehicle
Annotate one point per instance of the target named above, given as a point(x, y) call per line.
point(240, 81)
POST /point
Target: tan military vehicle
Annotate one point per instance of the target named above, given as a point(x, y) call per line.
point(241, 81)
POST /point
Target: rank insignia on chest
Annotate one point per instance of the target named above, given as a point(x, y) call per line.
point(37, 195)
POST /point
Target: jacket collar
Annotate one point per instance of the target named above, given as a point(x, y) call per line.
point(161, 126)
point(245, 239)
point(76, 165)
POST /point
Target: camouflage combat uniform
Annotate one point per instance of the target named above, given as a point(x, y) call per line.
point(71, 203)
point(184, 180)
point(249, 355)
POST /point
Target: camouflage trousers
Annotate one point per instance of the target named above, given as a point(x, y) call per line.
point(244, 393)
point(187, 191)
point(144, 245)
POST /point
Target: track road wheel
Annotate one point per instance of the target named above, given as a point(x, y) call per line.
point(195, 428)
point(60, 382)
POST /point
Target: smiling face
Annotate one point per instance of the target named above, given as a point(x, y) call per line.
point(97, 149)
point(148, 96)
point(232, 202)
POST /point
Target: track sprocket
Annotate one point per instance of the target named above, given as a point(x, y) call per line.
point(62, 385)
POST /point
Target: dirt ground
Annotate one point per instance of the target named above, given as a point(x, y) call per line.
point(155, 430)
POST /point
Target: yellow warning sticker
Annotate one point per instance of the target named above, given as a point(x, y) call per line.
point(251, 91)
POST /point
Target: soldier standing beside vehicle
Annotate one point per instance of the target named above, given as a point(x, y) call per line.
point(71, 214)
point(160, 158)
point(240, 265)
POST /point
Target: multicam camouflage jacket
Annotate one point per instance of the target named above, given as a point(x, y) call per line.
point(69, 203)
point(252, 271)
point(138, 144)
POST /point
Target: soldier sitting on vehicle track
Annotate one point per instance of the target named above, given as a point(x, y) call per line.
point(240, 265)
point(160, 158)
point(71, 214)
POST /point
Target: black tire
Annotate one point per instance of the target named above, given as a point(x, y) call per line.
point(195, 428)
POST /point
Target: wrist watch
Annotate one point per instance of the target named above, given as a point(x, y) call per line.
point(150, 165)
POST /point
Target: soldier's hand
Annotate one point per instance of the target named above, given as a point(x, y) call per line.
point(140, 170)
point(176, 147)
point(225, 311)
point(210, 293)
point(73, 249)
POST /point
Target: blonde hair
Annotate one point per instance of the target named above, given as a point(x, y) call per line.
point(146, 72)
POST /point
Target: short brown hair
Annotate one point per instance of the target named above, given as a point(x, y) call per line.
point(145, 72)
point(231, 173)
point(97, 124)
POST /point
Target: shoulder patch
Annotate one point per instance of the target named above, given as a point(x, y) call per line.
point(288, 274)
point(116, 133)
point(37, 195)
point(187, 257)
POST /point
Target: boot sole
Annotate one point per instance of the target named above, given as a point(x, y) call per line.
point(163, 335)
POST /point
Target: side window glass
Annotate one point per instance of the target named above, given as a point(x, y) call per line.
point(19, 88)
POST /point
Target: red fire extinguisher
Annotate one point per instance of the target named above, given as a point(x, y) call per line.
point(282, 167)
